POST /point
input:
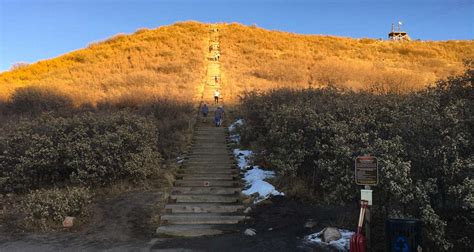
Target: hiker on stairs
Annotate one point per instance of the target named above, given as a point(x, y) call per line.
point(216, 96)
point(204, 110)
point(218, 116)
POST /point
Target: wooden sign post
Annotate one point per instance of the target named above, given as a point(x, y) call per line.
point(366, 174)
point(366, 171)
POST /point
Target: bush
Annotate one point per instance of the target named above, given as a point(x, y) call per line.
point(87, 149)
point(48, 207)
point(423, 141)
point(172, 119)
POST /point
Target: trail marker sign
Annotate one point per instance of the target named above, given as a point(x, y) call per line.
point(366, 170)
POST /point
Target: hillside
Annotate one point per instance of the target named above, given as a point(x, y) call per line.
point(255, 58)
point(169, 61)
point(164, 61)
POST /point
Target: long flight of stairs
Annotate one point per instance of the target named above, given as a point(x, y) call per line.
point(205, 199)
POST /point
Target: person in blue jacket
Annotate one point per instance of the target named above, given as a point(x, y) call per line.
point(218, 116)
point(204, 110)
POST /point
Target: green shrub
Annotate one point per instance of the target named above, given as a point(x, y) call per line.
point(423, 141)
point(48, 207)
point(88, 149)
point(172, 119)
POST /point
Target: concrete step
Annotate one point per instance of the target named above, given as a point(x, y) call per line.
point(209, 167)
point(199, 157)
point(217, 149)
point(187, 176)
point(211, 159)
point(210, 149)
point(217, 159)
point(210, 146)
point(210, 143)
point(215, 162)
point(205, 171)
point(205, 190)
point(204, 183)
point(210, 163)
point(206, 158)
point(204, 198)
point(211, 138)
point(194, 230)
point(214, 132)
point(201, 218)
point(206, 147)
point(203, 208)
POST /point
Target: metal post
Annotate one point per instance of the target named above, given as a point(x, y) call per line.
point(367, 224)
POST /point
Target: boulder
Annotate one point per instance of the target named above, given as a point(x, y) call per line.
point(68, 222)
point(250, 232)
point(247, 210)
point(331, 234)
point(310, 224)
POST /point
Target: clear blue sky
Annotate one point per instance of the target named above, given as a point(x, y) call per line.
point(31, 30)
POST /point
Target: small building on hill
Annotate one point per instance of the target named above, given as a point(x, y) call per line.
point(398, 35)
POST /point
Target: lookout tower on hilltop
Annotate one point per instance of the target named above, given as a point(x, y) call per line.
point(398, 35)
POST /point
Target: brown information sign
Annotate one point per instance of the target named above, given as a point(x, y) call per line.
point(366, 170)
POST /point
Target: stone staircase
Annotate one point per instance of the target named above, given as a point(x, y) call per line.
point(205, 199)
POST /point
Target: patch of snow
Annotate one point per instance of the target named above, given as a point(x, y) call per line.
point(255, 177)
point(236, 124)
point(341, 244)
point(256, 174)
point(242, 157)
point(263, 188)
point(234, 137)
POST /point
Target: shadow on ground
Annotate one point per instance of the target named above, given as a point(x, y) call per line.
point(124, 223)
point(279, 223)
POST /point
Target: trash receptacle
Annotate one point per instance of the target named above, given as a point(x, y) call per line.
point(403, 235)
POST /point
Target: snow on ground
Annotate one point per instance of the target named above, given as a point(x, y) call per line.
point(234, 137)
point(236, 124)
point(341, 244)
point(255, 177)
point(242, 158)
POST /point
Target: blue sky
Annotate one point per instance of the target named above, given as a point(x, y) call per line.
point(31, 30)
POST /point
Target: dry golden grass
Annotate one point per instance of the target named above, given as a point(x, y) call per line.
point(164, 62)
point(170, 62)
point(254, 58)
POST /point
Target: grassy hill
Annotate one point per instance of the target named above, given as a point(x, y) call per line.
point(170, 61)
point(165, 61)
point(255, 58)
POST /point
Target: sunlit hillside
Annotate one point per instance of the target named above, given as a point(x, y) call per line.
point(167, 61)
point(254, 58)
point(170, 61)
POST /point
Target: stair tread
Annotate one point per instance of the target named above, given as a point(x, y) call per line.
point(184, 230)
